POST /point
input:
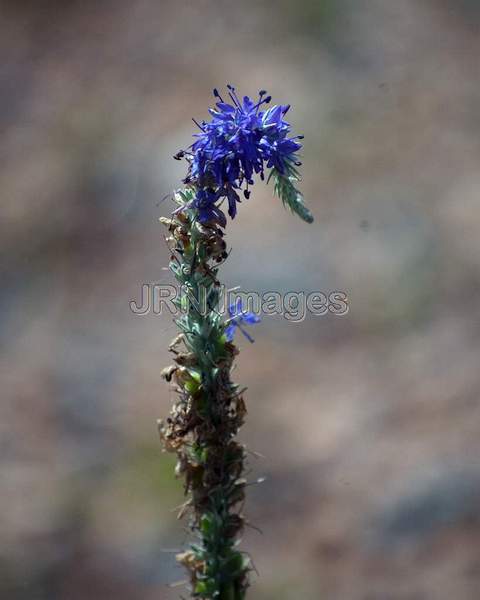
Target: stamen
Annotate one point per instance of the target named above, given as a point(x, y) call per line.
point(198, 124)
point(259, 103)
point(217, 94)
point(234, 96)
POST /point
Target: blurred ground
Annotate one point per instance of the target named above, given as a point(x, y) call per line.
point(369, 424)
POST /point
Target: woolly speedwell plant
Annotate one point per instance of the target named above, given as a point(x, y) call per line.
point(242, 139)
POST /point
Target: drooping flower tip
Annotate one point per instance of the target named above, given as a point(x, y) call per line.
point(242, 139)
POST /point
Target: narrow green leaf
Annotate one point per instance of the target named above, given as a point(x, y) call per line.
point(285, 189)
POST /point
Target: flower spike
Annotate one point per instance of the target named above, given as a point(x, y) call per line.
point(242, 140)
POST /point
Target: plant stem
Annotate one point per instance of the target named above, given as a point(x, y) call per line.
point(208, 413)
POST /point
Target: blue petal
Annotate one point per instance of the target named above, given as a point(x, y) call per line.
point(273, 115)
point(231, 310)
point(250, 317)
point(248, 104)
point(232, 201)
point(230, 331)
point(224, 107)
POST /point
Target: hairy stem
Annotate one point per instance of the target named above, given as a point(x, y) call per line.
point(208, 412)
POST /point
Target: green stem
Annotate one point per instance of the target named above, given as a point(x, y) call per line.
point(205, 419)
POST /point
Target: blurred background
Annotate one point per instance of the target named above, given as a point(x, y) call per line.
point(368, 424)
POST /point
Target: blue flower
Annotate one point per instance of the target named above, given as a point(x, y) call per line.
point(204, 202)
point(239, 141)
point(237, 318)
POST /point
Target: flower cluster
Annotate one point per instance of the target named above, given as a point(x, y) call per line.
point(242, 139)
